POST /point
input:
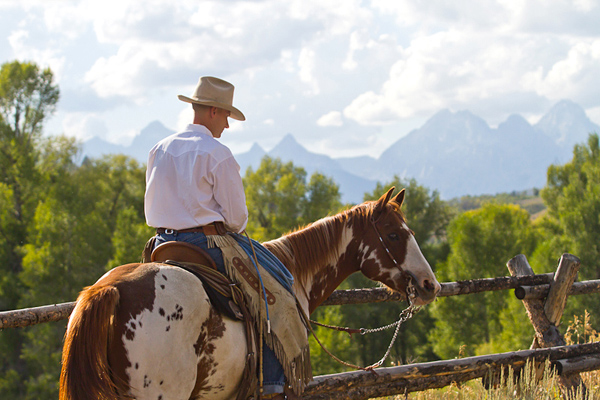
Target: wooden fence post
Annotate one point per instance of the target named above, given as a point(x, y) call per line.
point(566, 273)
point(546, 333)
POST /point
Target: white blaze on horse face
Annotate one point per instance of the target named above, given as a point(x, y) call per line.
point(416, 264)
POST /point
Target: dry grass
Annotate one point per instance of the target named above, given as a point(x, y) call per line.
point(580, 331)
point(528, 387)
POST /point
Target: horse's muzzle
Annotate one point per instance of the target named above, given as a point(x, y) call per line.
point(426, 289)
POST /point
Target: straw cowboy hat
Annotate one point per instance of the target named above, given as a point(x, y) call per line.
point(214, 92)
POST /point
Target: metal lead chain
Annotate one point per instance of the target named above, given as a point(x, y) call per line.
point(404, 316)
point(411, 294)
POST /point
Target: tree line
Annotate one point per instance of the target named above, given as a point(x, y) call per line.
point(65, 221)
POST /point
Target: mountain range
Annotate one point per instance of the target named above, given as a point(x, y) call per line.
point(455, 153)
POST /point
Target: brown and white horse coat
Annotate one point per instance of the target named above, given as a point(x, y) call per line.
point(148, 331)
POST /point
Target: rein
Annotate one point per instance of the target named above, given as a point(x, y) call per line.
point(404, 316)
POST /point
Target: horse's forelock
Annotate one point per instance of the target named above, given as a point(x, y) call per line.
point(369, 208)
point(397, 209)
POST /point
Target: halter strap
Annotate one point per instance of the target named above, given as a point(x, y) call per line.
point(410, 292)
point(387, 250)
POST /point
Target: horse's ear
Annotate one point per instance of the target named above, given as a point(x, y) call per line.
point(399, 199)
point(386, 197)
point(382, 202)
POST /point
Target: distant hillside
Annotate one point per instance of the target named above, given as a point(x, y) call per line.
point(352, 186)
point(529, 200)
point(455, 153)
point(458, 153)
point(138, 149)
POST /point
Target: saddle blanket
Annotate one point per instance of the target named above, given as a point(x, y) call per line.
point(288, 336)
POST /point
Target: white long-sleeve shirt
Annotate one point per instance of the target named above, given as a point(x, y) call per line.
point(192, 180)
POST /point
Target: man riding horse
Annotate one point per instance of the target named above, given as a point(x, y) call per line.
point(194, 193)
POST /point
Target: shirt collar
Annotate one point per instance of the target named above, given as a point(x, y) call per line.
point(199, 129)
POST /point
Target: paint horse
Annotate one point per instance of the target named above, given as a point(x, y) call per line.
point(148, 331)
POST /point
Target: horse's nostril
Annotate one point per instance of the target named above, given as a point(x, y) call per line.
point(428, 286)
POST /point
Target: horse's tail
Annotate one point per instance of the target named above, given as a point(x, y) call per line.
point(85, 371)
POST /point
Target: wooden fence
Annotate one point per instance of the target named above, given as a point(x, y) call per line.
point(544, 297)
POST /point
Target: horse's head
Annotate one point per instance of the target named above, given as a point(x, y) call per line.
point(391, 253)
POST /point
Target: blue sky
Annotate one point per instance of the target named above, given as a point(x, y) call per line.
point(344, 77)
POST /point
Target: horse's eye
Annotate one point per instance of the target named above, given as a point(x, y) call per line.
point(394, 236)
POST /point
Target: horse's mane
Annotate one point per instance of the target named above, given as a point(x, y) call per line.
point(306, 249)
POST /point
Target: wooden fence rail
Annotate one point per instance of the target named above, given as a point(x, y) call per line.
point(541, 291)
point(404, 379)
point(37, 315)
point(526, 287)
point(360, 296)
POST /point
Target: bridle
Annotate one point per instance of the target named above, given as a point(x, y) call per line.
point(411, 291)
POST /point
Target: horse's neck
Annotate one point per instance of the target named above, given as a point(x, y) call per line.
point(320, 257)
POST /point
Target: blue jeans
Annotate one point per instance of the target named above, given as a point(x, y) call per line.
point(274, 378)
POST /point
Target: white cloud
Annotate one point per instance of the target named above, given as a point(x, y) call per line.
point(371, 109)
point(381, 63)
point(84, 126)
point(594, 115)
point(306, 64)
point(168, 44)
point(585, 5)
point(17, 38)
point(460, 69)
point(337, 17)
point(332, 118)
point(69, 19)
point(358, 41)
point(574, 77)
point(185, 117)
point(435, 14)
point(23, 49)
point(24, 4)
point(128, 73)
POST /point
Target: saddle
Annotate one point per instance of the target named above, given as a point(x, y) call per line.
point(182, 252)
point(195, 260)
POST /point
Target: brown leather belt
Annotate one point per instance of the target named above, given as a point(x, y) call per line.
point(216, 228)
